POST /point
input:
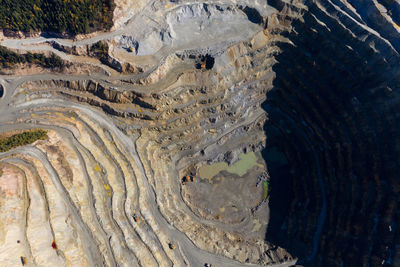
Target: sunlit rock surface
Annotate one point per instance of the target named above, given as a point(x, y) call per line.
point(223, 132)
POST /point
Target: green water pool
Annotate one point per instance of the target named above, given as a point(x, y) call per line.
point(240, 167)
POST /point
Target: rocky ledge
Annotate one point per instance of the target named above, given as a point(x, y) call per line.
point(228, 132)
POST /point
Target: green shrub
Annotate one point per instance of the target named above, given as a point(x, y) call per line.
point(9, 58)
point(100, 50)
point(22, 139)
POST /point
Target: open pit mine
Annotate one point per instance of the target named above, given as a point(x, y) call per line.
point(200, 133)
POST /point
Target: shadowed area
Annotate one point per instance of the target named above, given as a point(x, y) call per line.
point(332, 114)
point(202, 133)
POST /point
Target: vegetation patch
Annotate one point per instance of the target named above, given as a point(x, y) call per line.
point(21, 139)
point(100, 50)
point(266, 188)
point(9, 58)
point(58, 16)
point(73, 114)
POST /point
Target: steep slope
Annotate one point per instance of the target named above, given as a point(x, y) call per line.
point(226, 132)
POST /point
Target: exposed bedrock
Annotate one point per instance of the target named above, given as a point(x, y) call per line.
point(245, 133)
point(333, 143)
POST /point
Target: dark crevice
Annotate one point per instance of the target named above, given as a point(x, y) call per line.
point(252, 14)
point(206, 62)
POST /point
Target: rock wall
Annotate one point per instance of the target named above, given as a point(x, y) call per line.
point(333, 113)
point(308, 89)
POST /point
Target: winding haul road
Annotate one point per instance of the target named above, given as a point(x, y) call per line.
point(155, 224)
point(147, 199)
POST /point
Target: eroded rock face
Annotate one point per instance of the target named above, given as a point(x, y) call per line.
point(331, 113)
point(237, 132)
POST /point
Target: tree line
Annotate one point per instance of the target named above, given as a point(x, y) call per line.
point(58, 16)
point(9, 58)
point(22, 139)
